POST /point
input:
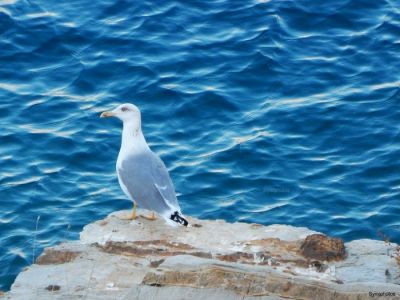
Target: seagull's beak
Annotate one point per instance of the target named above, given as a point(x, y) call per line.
point(107, 114)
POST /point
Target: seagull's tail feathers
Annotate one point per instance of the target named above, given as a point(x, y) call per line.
point(178, 218)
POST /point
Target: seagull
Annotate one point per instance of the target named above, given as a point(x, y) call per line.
point(142, 175)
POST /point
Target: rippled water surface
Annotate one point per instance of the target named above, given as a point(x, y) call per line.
point(263, 111)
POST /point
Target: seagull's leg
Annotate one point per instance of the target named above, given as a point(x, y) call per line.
point(134, 211)
point(133, 216)
point(152, 217)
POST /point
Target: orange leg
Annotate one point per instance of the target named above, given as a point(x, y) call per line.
point(133, 216)
point(152, 217)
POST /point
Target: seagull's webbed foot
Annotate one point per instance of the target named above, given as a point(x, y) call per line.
point(131, 217)
point(152, 217)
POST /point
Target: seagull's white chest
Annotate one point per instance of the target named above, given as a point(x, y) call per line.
point(133, 146)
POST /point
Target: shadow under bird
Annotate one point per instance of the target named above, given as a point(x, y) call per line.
point(142, 175)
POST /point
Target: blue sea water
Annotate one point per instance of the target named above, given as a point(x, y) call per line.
point(269, 111)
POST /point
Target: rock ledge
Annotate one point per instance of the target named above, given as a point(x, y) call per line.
point(140, 259)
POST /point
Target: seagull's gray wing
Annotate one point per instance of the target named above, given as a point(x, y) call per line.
point(148, 183)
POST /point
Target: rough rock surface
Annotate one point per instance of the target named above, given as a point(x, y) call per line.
point(322, 247)
point(141, 259)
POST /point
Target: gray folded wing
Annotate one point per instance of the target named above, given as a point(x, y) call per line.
point(147, 181)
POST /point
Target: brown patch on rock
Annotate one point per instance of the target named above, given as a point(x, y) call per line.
point(276, 251)
point(275, 245)
point(2, 294)
point(322, 247)
point(287, 286)
point(53, 288)
point(197, 225)
point(164, 243)
point(260, 258)
point(201, 254)
point(151, 248)
point(297, 262)
point(256, 225)
point(156, 263)
point(56, 257)
point(289, 272)
point(103, 223)
point(236, 257)
point(245, 284)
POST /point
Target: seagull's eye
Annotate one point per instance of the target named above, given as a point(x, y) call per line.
point(124, 108)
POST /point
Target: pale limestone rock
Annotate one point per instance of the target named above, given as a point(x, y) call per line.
point(140, 259)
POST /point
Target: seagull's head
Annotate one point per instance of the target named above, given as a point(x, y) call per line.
point(125, 112)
